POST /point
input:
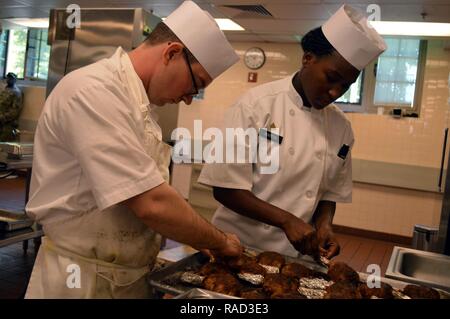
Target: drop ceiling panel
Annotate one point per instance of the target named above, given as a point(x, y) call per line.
point(302, 11)
point(278, 26)
point(291, 17)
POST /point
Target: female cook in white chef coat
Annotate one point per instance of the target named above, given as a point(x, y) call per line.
point(100, 171)
point(292, 210)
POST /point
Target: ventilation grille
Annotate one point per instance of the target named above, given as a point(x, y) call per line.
point(250, 11)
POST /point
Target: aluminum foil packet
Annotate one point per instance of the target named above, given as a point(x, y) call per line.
point(192, 278)
point(255, 279)
point(312, 293)
point(271, 269)
point(314, 283)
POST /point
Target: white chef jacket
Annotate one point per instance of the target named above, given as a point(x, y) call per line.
point(88, 148)
point(309, 169)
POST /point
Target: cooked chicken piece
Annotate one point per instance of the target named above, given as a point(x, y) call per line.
point(421, 292)
point(271, 258)
point(384, 292)
point(252, 268)
point(236, 263)
point(339, 271)
point(213, 268)
point(279, 284)
point(222, 283)
point(296, 270)
point(288, 295)
point(253, 294)
point(342, 290)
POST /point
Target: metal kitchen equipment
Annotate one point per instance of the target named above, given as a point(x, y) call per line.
point(197, 293)
point(167, 279)
point(425, 238)
point(420, 267)
point(101, 32)
point(10, 221)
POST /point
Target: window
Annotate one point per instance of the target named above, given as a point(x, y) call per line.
point(393, 81)
point(397, 73)
point(15, 58)
point(38, 54)
point(27, 53)
point(3, 48)
point(353, 94)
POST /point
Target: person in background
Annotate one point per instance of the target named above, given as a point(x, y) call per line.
point(292, 210)
point(10, 107)
point(100, 171)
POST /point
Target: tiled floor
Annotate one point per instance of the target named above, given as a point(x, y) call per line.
point(359, 252)
point(15, 270)
point(15, 266)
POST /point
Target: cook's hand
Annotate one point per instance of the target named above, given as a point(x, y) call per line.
point(328, 243)
point(231, 247)
point(302, 236)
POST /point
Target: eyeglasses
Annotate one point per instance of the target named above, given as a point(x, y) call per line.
point(192, 74)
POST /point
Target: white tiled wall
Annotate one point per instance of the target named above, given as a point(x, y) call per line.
point(281, 61)
point(408, 140)
point(413, 141)
point(389, 210)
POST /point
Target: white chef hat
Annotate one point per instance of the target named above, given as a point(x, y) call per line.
point(199, 32)
point(350, 34)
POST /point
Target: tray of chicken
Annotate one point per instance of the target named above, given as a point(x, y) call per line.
point(269, 275)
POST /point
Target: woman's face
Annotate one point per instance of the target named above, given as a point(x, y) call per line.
point(324, 79)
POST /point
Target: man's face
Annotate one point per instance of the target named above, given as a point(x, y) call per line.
point(173, 81)
point(325, 79)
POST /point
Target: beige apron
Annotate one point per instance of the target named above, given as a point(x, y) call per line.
point(102, 254)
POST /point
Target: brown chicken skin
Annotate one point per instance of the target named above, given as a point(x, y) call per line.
point(253, 294)
point(296, 270)
point(236, 263)
point(270, 258)
point(213, 268)
point(384, 292)
point(342, 290)
point(223, 283)
point(420, 292)
point(252, 268)
point(339, 271)
point(288, 295)
point(275, 284)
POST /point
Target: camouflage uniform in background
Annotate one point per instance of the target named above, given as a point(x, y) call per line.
point(10, 108)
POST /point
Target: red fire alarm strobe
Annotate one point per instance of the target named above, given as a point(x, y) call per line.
point(252, 76)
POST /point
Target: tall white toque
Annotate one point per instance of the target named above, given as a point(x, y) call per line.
point(199, 32)
point(350, 34)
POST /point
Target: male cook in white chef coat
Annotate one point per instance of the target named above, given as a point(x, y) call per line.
point(292, 210)
point(99, 184)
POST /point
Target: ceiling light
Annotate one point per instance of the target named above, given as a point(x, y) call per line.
point(412, 28)
point(226, 25)
point(41, 23)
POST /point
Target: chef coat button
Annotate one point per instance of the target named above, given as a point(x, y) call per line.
point(319, 156)
point(266, 226)
point(309, 194)
point(291, 112)
point(291, 150)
